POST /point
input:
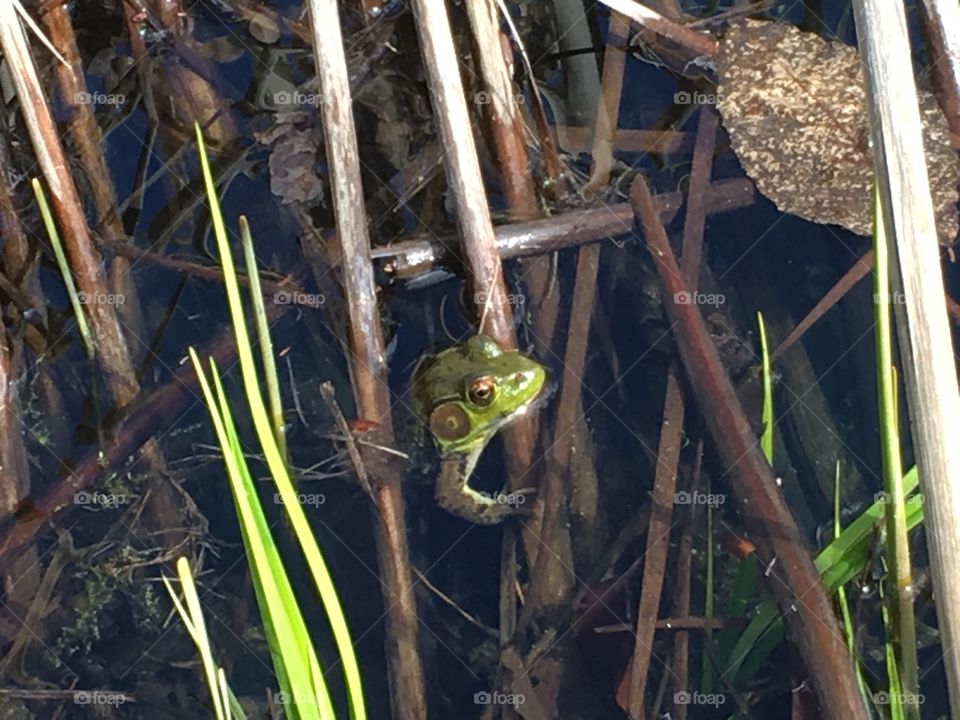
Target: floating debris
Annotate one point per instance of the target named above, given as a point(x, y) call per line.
point(794, 105)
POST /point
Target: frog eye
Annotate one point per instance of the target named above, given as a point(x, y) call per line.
point(482, 390)
point(449, 422)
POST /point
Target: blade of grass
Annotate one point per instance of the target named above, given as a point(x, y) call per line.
point(283, 622)
point(263, 336)
point(766, 416)
point(838, 563)
point(191, 614)
point(848, 628)
point(64, 266)
point(893, 699)
point(898, 548)
point(275, 462)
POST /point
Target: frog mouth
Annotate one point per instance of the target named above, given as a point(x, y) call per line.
point(549, 389)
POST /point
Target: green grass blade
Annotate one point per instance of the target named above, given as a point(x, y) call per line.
point(838, 563)
point(846, 619)
point(766, 437)
point(744, 584)
point(275, 461)
point(283, 623)
point(898, 548)
point(64, 266)
point(263, 335)
point(191, 614)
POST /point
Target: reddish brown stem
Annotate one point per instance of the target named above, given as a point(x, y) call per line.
point(793, 579)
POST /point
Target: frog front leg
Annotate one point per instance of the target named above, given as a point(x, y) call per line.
point(455, 495)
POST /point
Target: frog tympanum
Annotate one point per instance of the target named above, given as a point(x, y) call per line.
point(464, 395)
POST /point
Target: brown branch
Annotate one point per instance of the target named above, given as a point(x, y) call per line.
point(411, 258)
point(161, 408)
point(367, 362)
point(671, 429)
point(861, 268)
point(792, 577)
point(696, 42)
point(111, 347)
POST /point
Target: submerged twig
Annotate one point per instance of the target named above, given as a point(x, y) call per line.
point(793, 579)
point(663, 497)
point(411, 258)
point(330, 398)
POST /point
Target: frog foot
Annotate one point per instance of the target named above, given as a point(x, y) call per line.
point(455, 496)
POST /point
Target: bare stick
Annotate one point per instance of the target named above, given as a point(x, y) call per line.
point(941, 21)
point(922, 327)
point(671, 429)
point(699, 43)
point(463, 170)
point(410, 258)
point(367, 361)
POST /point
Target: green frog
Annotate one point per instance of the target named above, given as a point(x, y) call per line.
point(464, 395)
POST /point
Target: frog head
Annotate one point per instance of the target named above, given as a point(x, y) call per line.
point(466, 393)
